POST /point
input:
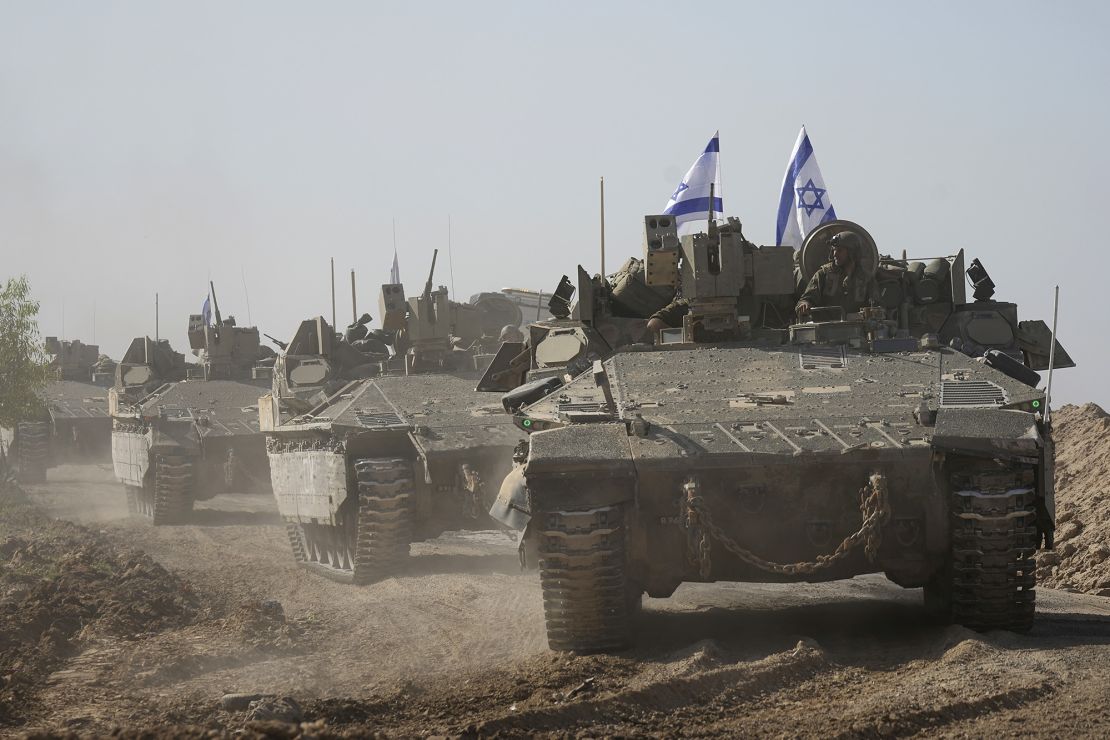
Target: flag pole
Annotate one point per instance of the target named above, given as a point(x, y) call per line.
point(354, 309)
point(333, 293)
point(602, 228)
point(157, 338)
point(246, 295)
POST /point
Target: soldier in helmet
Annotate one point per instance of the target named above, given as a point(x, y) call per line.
point(841, 281)
point(510, 333)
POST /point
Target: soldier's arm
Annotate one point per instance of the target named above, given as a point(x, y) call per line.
point(670, 315)
point(811, 296)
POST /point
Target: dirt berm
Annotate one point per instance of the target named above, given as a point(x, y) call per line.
point(1081, 558)
point(63, 587)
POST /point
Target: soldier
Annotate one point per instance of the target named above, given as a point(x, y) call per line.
point(668, 316)
point(510, 333)
point(841, 281)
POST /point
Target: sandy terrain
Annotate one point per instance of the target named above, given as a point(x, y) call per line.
point(456, 646)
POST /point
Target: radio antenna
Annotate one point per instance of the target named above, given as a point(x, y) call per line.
point(246, 295)
point(450, 260)
point(354, 309)
point(1051, 357)
point(602, 229)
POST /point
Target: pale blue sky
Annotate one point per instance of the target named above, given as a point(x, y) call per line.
point(146, 145)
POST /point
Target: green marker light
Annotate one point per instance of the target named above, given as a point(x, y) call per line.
point(527, 422)
point(1036, 404)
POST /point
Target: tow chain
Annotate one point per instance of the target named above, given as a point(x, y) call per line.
point(230, 465)
point(874, 505)
point(472, 488)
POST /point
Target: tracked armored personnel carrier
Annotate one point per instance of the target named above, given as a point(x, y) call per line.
point(908, 439)
point(183, 433)
point(78, 402)
point(363, 467)
point(74, 426)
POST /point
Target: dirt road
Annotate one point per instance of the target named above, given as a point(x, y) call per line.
point(457, 646)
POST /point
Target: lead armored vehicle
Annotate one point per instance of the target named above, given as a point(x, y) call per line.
point(908, 439)
point(183, 433)
point(362, 467)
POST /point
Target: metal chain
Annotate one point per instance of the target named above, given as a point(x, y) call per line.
point(697, 539)
point(472, 485)
point(874, 507)
point(230, 464)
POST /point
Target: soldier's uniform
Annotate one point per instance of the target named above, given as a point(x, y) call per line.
point(672, 313)
point(831, 286)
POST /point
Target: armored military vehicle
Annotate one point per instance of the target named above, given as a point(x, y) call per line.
point(78, 402)
point(362, 467)
point(74, 424)
point(908, 439)
point(182, 433)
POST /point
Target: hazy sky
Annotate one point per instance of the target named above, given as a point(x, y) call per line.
point(147, 145)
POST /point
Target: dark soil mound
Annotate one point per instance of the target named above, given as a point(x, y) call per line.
point(61, 584)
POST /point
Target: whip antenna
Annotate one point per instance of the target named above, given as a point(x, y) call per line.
point(1051, 357)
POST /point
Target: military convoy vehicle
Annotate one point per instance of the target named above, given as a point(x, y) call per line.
point(78, 401)
point(74, 424)
point(908, 439)
point(183, 433)
point(363, 466)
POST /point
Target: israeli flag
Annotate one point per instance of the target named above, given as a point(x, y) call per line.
point(804, 203)
point(206, 311)
point(395, 271)
point(689, 204)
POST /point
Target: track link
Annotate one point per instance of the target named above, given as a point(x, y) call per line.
point(33, 451)
point(172, 498)
point(588, 601)
point(371, 542)
point(989, 581)
point(385, 493)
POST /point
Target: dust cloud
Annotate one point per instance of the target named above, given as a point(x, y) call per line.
point(456, 644)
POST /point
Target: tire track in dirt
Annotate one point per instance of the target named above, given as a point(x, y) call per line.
point(651, 695)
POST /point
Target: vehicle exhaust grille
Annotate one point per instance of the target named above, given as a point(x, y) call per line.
point(816, 358)
point(971, 393)
point(378, 419)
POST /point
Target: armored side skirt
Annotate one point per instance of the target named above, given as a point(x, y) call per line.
point(131, 456)
point(309, 485)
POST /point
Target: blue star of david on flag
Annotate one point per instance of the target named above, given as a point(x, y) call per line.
point(818, 193)
point(804, 203)
point(690, 204)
